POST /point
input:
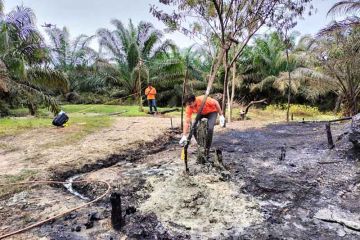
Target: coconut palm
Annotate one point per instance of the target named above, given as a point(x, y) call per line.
point(22, 54)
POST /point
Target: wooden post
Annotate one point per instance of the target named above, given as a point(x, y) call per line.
point(171, 123)
point(116, 214)
point(282, 153)
point(292, 116)
point(329, 136)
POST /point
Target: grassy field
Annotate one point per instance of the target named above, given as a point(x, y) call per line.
point(90, 117)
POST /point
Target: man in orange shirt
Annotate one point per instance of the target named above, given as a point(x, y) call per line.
point(210, 111)
point(150, 93)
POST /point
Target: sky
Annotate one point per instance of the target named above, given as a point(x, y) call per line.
point(86, 16)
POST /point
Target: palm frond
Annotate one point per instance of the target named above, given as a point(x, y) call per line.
point(264, 84)
point(338, 26)
point(109, 41)
point(48, 79)
point(50, 102)
point(345, 7)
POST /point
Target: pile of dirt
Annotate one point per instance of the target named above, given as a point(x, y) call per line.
point(204, 205)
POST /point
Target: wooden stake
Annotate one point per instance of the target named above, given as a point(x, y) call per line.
point(329, 136)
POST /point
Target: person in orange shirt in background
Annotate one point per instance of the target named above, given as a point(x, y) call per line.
point(210, 111)
point(150, 93)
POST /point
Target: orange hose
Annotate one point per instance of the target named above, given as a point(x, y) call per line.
point(60, 214)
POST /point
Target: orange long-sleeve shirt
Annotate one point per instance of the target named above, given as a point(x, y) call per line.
point(150, 93)
point(209, 107)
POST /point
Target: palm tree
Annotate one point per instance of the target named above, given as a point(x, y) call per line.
point(126, 48)
point(338, 55)
point(333, 65)
point(268, 60)
point(351, 8)
point(22, 56)
point(72, 57)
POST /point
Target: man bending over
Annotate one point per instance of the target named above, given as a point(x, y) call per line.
point(210, 111)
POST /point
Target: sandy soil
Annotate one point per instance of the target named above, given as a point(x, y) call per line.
point(43, 150)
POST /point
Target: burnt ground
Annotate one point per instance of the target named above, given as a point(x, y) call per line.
point(310, 192)
point(310, 184)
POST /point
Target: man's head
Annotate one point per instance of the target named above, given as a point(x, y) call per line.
point(149, 84)
point(190, 100)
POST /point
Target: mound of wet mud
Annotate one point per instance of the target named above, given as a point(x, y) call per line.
point(204, 205)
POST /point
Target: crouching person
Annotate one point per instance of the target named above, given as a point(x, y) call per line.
point(210, 111)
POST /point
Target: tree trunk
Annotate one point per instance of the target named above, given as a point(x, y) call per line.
point(32, 108)
point(232, 91)
point(228, 104)
point(139, 82)
point(289, 89)
point(338, 104)
point(225, 92)
point(183, 98)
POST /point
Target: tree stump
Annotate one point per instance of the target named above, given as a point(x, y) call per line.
point(201, 137)
point(116, 214)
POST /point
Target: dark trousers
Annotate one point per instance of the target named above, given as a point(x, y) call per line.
point(211, 117)
point(152, 103)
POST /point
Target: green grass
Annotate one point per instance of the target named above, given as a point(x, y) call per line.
point(128, 111)
point(14, 125)
point(91, 117)
point(277, 113)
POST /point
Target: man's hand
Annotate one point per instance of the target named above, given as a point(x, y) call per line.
point(222, 121)
point(183, 140)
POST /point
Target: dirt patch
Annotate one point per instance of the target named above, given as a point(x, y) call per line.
point(43, 150)
point(204, 205)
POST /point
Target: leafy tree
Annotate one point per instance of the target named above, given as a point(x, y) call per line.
point(230, 23)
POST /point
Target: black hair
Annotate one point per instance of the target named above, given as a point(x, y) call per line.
point(189, 99)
